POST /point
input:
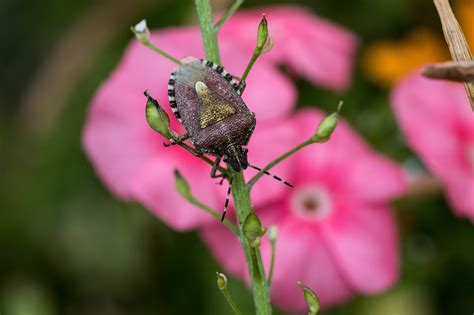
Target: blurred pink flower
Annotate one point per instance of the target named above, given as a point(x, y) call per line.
point(336, 231)
point(130, 158)
point(436, 119)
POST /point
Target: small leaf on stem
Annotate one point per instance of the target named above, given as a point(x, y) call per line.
point(253, 229)
point(156, 117)
point(311, 298)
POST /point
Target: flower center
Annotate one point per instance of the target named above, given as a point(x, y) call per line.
point(311, 202)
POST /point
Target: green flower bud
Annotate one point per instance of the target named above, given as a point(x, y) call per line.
point(221, 281)
point(182, 185)
point(311, 298)
point(141, 31)
point(327, 126)
point(253, 230)
point(156, 117)
point(262, 34)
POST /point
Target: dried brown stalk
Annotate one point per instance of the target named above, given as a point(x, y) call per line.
point(458, 71)
point(456, 41)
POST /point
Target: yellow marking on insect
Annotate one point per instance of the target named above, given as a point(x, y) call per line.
point(213, 109)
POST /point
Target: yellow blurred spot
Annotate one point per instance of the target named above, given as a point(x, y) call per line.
point(386, 61)
point(464, 11)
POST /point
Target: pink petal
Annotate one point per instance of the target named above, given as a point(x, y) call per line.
point(313, 47)
point(269, 142)
point(363, 242)
point(437, 122)
point(301, 256)
point(367, 176)
point(155, 188)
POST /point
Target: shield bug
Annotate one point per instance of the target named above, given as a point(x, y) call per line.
point(206, 99)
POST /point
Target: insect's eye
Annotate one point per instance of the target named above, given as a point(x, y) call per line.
point(246, 150)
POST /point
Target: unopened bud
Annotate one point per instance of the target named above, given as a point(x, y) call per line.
point(272, 233)
point(141, 31)
point(327, 126)
point(311, 298)
point(253, 229)
point(262, 34)
point(221, 281)
point(182, 185)
point(156, 117)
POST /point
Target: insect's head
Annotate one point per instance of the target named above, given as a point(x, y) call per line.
point(236, 157)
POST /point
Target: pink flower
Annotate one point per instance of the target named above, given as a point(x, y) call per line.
point(436, 119)
point(336, 231)
point(130, 158)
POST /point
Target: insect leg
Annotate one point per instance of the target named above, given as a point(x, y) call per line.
point(214, 170)
point(176, 139)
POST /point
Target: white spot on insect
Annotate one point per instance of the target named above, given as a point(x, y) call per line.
point(214, 66)
point(170, 87)
point(233, 81)
point(201, 87)
point(171, 98)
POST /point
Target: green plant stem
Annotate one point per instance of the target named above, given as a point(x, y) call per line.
point(234, 6)
point(231, 302)
point(146, 42)
point(240, 193)
point(214, 213)
point(278, 160)
point(252, 255)
point(272, 262)
point(254, 58)
point(208, 31)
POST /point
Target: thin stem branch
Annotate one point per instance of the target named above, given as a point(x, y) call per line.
point(161, 52)
point(230, 10)
point(272, 261)
point(276, 161)
point(214, 213)
point(146, 42)
point(231, 302)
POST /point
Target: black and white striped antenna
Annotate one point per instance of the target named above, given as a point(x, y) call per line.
point(272, 175)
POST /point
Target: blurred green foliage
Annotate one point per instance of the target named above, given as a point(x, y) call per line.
point(67, 246)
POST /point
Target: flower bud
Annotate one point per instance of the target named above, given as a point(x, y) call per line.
point(182, 185)
point(311, 298)
point(272, 233)
point(253, 230)
point(327, 126)
point(141, 31)
point(262, 34)
point(221, 281)
point(156, 117)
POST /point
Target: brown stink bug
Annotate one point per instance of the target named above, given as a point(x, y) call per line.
point(206, 99)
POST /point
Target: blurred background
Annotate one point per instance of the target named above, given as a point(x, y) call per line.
point(67, 246)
